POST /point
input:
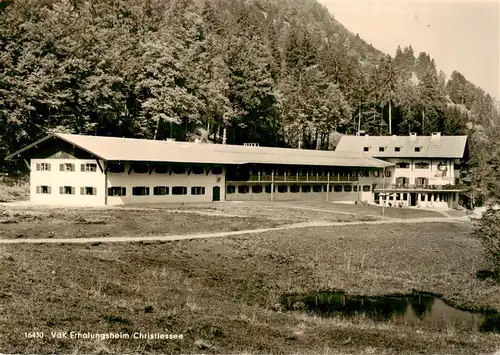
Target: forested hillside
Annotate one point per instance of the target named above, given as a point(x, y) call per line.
point(274, 72)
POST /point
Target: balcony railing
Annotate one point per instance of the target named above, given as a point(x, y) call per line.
point(419, 187)
point(301, 178)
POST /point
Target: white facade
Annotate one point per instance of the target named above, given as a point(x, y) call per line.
point(62, 182)
point(66, 182)
point(170, 180)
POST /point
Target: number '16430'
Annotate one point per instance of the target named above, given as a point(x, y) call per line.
point(33, 335)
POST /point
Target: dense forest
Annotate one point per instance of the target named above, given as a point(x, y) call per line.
point(274, 72)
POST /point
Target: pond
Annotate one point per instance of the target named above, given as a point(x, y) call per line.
point(416, 309)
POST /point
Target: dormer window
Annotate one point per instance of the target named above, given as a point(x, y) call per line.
point(417, 149)
point(366, 149)
point(381, 149)
point(397, 149)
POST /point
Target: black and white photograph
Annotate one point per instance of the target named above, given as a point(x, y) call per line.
point(250, 177)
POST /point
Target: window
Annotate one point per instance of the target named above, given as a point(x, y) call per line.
point(376, 173)
point(388, 173)
point(243, 189)
point(116, 168)
point(381, 149)
point(317, 188)
point(268, 189)
point(198, 170)
point(306, 188)
point(294, 189)
point(325, 188)
point(421, 165)
point(117, 191)
point(140, 169)
point(347, 188)
point(179, 190)
point(230, 189)
point(216, 170)
point(89, 167)
point(257, 189)
point(161, 169)
point(66, 190)
point(337, 188)
point(421, 181)
point(366, 188)
point(398, 197)
point(67, 167)
point(402, 165)
point(366, 149)
point(140, 191)
point(397, 149)
point(179, 170)
point(456, 166)
point(282, 189)
point(43, 167)
point(197, 190)
point(355, 188)
point(160, 190)
point(44, 189)
point(87, 190)
point(376, 198)
point(417, 149)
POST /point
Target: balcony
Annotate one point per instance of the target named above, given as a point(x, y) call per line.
point(300, 178)
point(406, 187)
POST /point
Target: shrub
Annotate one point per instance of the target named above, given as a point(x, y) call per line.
point(488, 232)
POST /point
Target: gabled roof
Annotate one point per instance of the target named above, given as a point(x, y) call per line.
point(430, 146)
point(130, 149)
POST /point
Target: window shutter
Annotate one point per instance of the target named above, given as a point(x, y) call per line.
point(82, 167)
point(72, 190)
point(49, 189)
point(48, 167)
point(61, 190)
point(72, 167)
point(38, 189)
point(147, 190)
point(37, 167)
point(94, 191)
point(82, 190)
point(61, 167)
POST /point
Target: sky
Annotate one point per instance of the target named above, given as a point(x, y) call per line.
point(459, 35)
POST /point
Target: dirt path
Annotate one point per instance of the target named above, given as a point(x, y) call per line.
point(226, 234)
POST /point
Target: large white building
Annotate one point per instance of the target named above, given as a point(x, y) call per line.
point(425, 170)
point(96, 171)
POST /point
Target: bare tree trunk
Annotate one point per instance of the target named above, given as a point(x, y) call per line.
point(390, 118)
point(423, 122)
point(157, 128)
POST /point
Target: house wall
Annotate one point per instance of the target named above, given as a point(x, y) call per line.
point(439, 200)
point(322, 196)
point(435, 176)
point(56, 178)
point(151, 180)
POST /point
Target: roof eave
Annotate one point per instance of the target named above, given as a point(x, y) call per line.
point(41, 140)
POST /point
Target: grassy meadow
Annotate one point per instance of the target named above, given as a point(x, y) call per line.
point(222, 294)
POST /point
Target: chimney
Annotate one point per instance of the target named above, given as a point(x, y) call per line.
point(413, 135)
point(435, 135)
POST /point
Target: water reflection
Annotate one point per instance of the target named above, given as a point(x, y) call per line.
point(418, 309)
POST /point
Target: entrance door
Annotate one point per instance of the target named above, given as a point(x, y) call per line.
point(413, 199)
point(216, 193)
